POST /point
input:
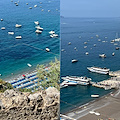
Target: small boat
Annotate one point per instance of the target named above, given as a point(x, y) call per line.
point(95, 96)
point(99, 70)
point(30, 7)
point(26, 3)
point(40, 6)
point(36, 22)
point(85, 46)
point(74, 60)
point(117, 48)
point(11, 33)
point(75, 48)
point(16, 4)
point(35, 5)
point(1, 19)
point(102, 55)
point(18, 26)
point(85, 42)
point(69, 43)
point(18, 37)
point(42, 10)
point(113, 54)
point(94, 45)
point(62, 85)
point(39, 28)
point(47, 49)
point(87, 53)
point(29, 65)
point(40, 2)
point(48, 10)
point(51, 32)
point(69, 83)
point(54, 35)
point(2, 28)
point(97, 35)
point(38, 31)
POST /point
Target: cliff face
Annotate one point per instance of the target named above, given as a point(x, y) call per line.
point(42, 105)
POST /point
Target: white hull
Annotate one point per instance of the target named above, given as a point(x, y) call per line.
point(98, 70)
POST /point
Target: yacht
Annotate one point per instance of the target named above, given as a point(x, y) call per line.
point(102, 55)
point(74, 60)
point(36, 22)
point(38, 31)
point(80, 80)
point(51, 32)
point(99, 70)
point(18, 37)
point(17, 25)
point(39, 28)
point(11, 33)
point(69, 83)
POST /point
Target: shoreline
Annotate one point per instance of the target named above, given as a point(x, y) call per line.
point(80, 110)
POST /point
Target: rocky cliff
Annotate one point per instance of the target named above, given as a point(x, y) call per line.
point(41, 105)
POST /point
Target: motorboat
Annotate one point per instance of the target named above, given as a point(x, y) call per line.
point(35, 5)
point(95, 96)
point(113, 54)
point(52, 32)
point(80, 80)
point(18, 37)
point(54, 35)
point(38, 31)
point(117, 48)
point(17, 25)
point(99, 70)
point(102, 55)
point(74, 60)
point(2, 28)
point(11, 33)
point(48, 10)
point(69, 43)
point(47, 49)
point(39, 28)
point(29, 65)
point(26, 3)
point(42, 10)
point(1, 19)
point(87, 53)
point(30, 7)
point(36, 22)
point(16, 4)
point(69, 83)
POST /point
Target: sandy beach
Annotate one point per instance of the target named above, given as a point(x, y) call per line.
point(104, 108)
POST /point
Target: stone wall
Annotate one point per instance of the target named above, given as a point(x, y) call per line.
point(41, 105)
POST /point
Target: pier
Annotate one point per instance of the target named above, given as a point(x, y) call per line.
point(114, 73)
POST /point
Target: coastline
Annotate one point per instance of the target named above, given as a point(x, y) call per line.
point(82, 112)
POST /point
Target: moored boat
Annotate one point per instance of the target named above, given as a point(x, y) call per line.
point(102, 55)
point(99, 70)
point(95, 96)
point(74, 60)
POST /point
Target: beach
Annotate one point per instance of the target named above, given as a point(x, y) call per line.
point(107, 106)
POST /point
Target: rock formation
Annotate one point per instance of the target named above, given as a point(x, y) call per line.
point(41, 105)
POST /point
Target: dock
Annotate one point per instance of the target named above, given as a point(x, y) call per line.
point(114, 73)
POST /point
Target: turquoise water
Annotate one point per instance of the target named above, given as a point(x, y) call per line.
point(77, 31)
point(16, 53)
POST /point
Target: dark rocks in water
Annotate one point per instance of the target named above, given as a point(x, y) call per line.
point(42, 105)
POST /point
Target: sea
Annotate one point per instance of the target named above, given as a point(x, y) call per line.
point(15, 54)
point(96, 34)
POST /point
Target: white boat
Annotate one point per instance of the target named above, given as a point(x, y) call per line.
point(2, 28)
point(74, 60)
point(35, 5)
point(54, 35)
point(30, 7)
point(18, 37)
point(39, 28)
point(17, 25)
point(116, 39)
point(99, 70)
point(87, 53)
point(1, 19)
point(117, 48)
point(69, 83)
point(38, 31)
point(102, 55)
point(29, 65)
point(95, 96)
point(51, 32)
point(36, 22)
point(48, 10)
point(80, 80)
point(47, 49)
point(113, 54)
point(11, 33)
point(62, 85)
point(69, 43)
point(26, 3)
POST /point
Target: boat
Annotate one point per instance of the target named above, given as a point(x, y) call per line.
point(99, 70)
point(1, 19)
point(48, 10)
point(69, 83)
point(117, 48)
point(116, 39)
point(11, 33)
point(29, 65)
point(69, 43)
point(36, 22)
point(87, 53)
point(51, 32)
point(26, 3)
point(113, 54)
point(74, 60)
point(62, 85)
point(47, 49)
point(18, 37)
point(35, 5)
point(80, 80)
point(2, 28)
point(16, 4)
point(102, 55)
point(39, 28)
point(54, 35)
point(95, 96)
point(30, 7)
point(17, 25)
point(38, 31)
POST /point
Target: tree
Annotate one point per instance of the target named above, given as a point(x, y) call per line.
point(50, 78)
